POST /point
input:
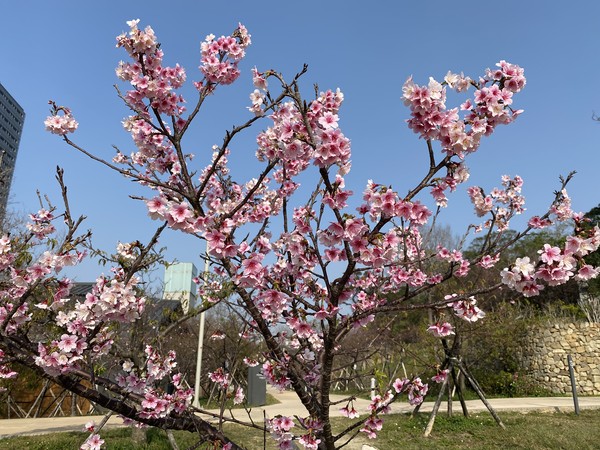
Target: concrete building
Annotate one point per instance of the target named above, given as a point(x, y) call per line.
point(179, 284)
point(12, 118)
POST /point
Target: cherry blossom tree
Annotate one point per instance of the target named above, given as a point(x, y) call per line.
point(305, 272)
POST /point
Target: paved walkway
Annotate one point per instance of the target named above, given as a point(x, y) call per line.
point(290, 406)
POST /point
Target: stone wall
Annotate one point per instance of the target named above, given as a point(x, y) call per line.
point(544, 357)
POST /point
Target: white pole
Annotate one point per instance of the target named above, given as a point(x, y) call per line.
point(196, 402)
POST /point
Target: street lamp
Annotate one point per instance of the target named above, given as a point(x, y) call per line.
point(196, 402)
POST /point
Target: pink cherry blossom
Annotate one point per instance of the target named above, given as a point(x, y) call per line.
point(239, 396)
point(416, 391)
point(441, 330)
point(587, 272)
point(441, 376)
point(94, 442)
point(67, 343)
point(549, 254)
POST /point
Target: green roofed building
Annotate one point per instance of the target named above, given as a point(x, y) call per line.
point(179, 284)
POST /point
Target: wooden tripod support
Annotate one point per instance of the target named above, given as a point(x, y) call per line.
point(452, 363)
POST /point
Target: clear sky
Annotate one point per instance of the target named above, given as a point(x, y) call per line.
point(65, 51)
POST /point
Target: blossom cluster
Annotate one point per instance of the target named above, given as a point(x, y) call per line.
point(154, 87)
point(281, 430)
point(380, 404)
point(150, 80)
point(7, 257)
point(41, 223)
point(280, 427)
point(489, 108)
point(460, 134)
point(560, 211)
point(5, 371)
point(110, 300)
point(61, 124)
point(456, 173)
point(349, 410)
point(143, 381)
point(456, 258)
point(276, 375)
point(313, 427)
point(505, 203)
point(554, 265)
point(80, 332)
point(220, 56)
point(127, 251)
point(371, 426)
point(223, 381)
point(295, 142)
point(465, 308)
point(381, 201)
point(20, 281)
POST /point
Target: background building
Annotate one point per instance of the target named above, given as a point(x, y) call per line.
point(12, 118)
point(179, 284)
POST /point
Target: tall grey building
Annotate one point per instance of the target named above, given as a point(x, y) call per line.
point(12, 118)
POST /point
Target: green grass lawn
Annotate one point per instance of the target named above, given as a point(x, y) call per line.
point(531, 431)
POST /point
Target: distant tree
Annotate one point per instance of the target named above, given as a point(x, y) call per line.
point(593, 215)
point(589, 300)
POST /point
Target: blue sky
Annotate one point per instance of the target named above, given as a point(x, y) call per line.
point(65, 51)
